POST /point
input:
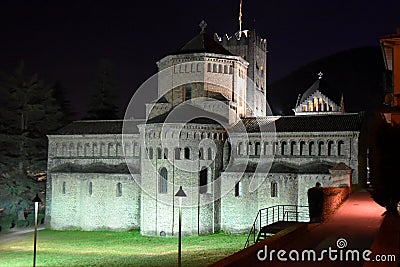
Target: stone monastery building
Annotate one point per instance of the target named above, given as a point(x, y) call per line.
point(210, 131)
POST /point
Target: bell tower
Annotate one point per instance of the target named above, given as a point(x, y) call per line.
point(252, 48)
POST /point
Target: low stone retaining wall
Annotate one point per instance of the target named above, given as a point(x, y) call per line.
point(333, 198)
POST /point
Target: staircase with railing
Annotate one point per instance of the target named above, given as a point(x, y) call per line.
point(274, 214)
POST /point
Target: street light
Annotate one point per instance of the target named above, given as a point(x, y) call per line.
point(37, 200)
point(180, 194)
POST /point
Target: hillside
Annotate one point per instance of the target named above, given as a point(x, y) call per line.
point(357, 73)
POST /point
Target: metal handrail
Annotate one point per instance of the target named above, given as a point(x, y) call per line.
point(264, 215)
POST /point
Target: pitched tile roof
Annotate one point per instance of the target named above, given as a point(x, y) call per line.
point(188, 113)
point(309, 123)
point(99, 127)
point(202, 43)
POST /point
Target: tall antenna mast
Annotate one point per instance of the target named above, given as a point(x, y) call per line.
point(240, 19)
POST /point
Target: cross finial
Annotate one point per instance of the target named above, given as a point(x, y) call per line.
point(203, 26)
point(320, 74)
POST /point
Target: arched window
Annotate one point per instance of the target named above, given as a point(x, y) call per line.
point(340, 148)
point(188, 91)
point(266, 144)
point(330, 148)
point(111, 150)
point(274, 189)
point(165, 153)
point(150, 152)
point(201, 153)
point(311, 148)
point(90, 188)
point(209, 67)
point(310, 106)
point(118, 149)
point(320, 148)
point(220, 68)
point(177, 153)
point(274, 148)
point(203, 181)
point(78, 150)
point(71, 150)
point(240, 148)
point(215, 67)
point(159, 153)
point(187, 153)
point(209, 153)
point(86, 150)
point(292, 147)
point(163, 181)
point(238, 189)
point(119, 190)
point(136, 149)
point(283, 147)
point(258, 149)
point(64, 186)
point(302, 147)
point(225, 69)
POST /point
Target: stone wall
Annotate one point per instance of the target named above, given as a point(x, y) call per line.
point(94, 201)
point(333, 198)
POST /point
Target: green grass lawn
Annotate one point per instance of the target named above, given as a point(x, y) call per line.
point(78, 248)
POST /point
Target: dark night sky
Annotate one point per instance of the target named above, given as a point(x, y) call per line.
point(63, 40)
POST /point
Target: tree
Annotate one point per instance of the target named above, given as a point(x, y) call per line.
point(28, 111)
point(102, 106)
point(384, 148)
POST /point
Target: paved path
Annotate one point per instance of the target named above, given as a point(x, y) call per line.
point(17, 234)
point(357, 221)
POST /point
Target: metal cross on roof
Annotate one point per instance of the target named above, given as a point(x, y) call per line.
point(203, 26)
point(320, 74)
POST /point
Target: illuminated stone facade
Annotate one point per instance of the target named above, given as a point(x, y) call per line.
point(102, 178)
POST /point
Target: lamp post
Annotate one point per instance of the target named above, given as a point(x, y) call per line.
point(36, 200)
point(180, 194)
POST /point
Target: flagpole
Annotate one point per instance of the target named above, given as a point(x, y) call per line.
point(240, 19)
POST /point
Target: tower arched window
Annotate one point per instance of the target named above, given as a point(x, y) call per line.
point(90, 188)
point(64, 186)
point(188, 91)
point(238, 189)
point(163, 181)
point(274, 189)
point(150, 153)
point(209, 153)
point(187, 153)
point(201, 153)
point(165, 153)
point(203, 181)
point(177, 153)
point(215, 67)
point(159, 153)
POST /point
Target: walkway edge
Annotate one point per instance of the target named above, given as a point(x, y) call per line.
point(242, 257)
